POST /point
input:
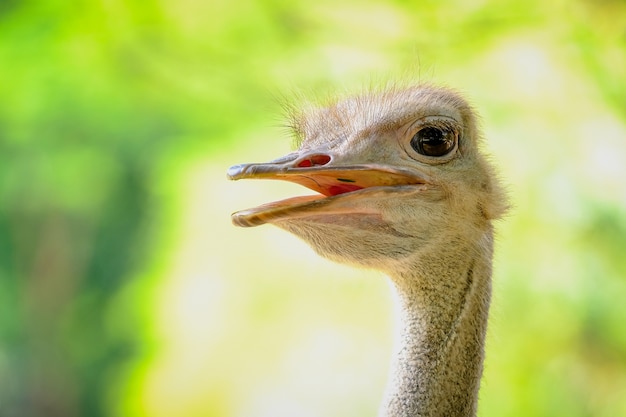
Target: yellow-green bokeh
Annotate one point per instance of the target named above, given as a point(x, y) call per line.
point(124, 289)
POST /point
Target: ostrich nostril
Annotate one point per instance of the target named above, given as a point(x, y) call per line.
point(314, 160)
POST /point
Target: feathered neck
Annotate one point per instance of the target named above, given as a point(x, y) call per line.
point(442, 321)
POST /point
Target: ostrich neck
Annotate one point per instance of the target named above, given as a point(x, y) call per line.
point(443, 307)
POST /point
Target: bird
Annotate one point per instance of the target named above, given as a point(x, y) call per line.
point(404, 186)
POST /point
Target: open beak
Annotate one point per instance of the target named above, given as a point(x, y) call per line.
point(338, 185)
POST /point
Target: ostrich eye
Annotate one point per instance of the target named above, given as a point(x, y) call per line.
point(433, 141)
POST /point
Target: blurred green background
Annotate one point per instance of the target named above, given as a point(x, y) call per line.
point(124, 289)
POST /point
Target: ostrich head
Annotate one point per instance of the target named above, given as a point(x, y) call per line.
point(397, 172)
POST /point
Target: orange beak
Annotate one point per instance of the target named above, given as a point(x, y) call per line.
point(317, 172)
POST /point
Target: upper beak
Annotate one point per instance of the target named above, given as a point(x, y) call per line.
point(320, 172)
point(317, 172)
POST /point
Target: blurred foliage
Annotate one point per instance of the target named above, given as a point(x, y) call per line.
point(123, 288)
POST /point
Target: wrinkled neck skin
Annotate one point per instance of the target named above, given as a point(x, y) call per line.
point(442, 320)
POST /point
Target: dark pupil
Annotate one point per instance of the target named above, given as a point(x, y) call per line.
point(432, 141)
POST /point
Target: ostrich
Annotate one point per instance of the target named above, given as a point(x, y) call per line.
point(404, 189)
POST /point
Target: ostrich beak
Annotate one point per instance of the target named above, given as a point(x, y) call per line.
point(318, 172)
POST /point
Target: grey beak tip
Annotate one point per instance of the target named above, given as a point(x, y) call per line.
point(235, 172)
